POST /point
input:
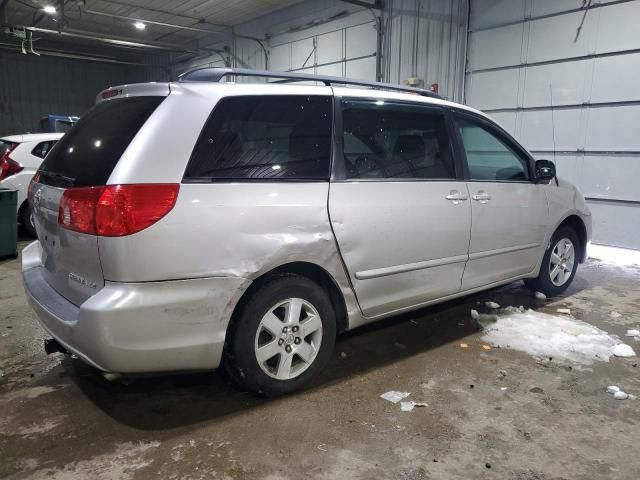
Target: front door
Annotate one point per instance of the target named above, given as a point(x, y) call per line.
point(400, 216)
point(509, 210)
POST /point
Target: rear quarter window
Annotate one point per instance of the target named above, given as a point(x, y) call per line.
point(264, 138)
point(89, 152)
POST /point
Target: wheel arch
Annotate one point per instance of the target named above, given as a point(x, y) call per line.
point(309, 270)
point(577, 224)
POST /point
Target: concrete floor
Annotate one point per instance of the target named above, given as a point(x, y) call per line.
point(60, 420)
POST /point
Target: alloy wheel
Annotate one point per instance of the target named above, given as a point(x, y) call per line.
point(288, 338)
point(563, 257)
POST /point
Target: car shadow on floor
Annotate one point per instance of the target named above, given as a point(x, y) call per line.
point(165, 402)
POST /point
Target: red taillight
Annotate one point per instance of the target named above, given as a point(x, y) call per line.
point(115, 210)
point(8, 166)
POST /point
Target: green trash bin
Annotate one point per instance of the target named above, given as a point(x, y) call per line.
point(8, 223)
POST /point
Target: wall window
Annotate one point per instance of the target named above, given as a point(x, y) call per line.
point(488, 157)
point(265, 137)
point(395, 141)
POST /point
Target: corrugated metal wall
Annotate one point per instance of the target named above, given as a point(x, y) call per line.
point(423, 38)
point(564, 78)
point(427, 40)
point(32, 86)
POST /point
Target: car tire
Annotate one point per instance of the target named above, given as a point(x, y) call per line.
point(281, 337)
point(557, 271)
point(26, 219)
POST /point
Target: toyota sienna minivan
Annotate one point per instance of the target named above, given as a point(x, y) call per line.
point(203, 223)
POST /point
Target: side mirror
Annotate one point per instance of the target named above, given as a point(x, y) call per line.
point(545, 171)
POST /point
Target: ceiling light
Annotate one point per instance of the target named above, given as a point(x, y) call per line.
point(50, 9)
point(139, 25)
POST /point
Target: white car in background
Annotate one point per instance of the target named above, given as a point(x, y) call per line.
point(20, 158)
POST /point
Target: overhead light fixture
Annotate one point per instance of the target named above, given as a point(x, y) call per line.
point(139, 25)
point(50, 9)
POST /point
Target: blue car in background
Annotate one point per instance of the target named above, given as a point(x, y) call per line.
point(57, 123)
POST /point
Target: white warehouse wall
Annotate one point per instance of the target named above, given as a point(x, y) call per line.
point(564, 78)
point(421, 38)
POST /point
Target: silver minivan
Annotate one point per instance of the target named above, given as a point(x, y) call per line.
point(203, 223)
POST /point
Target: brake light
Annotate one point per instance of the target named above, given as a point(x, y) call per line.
point(8, 166)
point(115, 210)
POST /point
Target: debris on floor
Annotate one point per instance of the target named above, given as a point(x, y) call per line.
point(540, 296)
point(492, 305)
point(565, 311)
point(617, 393)
point(615, 314)
point(551, 336)
point(394, 396)
point(343, 354)
point(408, 406)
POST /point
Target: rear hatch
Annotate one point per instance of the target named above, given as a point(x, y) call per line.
point(77, 166)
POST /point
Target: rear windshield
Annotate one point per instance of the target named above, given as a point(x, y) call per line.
point(6, 145)
point(89, 152)
point(264, 138)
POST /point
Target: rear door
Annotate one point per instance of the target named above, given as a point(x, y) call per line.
point(84, 157)
point(509, 210)
point(399, 214)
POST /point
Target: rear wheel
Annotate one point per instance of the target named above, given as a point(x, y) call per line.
point(282, 337)
point(26, 219)
point(559, 264)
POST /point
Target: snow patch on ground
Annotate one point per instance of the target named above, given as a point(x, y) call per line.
point(38, 428)
point(120, 464)
point(561, 338)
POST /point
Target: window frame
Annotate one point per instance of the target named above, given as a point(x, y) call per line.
point(339, 172)
point(501, 134)
point(195, 180)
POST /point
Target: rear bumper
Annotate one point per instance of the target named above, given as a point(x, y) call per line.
point(138, 327)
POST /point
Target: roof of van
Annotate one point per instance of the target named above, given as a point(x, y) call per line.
point(261, 88)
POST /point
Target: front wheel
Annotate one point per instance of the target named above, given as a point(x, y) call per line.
point(559, 264)
point(282, 337)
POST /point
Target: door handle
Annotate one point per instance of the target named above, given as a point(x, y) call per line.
point(456, 197)
point(481, 196)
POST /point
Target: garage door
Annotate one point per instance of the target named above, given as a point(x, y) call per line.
point(346, 52)
point(564, 80)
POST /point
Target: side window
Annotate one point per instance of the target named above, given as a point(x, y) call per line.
point(488, 157)
point(265, 137)
point(395, 141)
point(41, 149)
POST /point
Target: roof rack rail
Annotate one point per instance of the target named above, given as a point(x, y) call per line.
point(217, 74)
